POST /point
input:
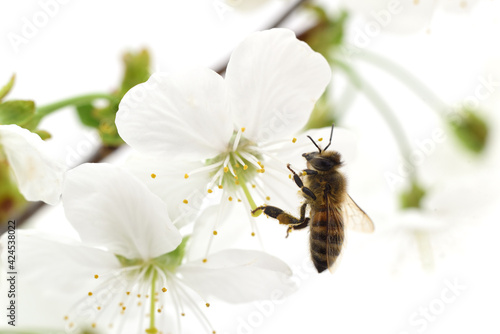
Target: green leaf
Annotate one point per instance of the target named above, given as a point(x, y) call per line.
point(6, 89)
point(86, 114)
point(16, 112)
point(470, 129)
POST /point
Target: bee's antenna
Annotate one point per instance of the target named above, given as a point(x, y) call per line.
point(314, 143)
point(331, 135)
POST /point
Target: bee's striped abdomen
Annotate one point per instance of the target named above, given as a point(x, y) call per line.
point(326, 239)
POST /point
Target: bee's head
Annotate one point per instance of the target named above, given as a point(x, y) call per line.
point(323, 160)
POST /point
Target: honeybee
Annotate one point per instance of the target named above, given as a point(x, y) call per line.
point(330, 207)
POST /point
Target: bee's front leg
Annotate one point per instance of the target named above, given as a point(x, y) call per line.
point(300, 184)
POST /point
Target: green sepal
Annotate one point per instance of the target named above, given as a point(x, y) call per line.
point(18, 112)
point(136, 69)
point(328, 34)
point(412, 197)
point(470, 129)
point(11, 199)
point(43, 134)
point(6, 89)
point(173, 259)
point(86, 114)
point(322, 114)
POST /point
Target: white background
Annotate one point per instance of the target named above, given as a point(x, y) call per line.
point(380, 286)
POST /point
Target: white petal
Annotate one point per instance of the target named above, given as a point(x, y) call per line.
point(274, 81)
point(239, 276)
point(56, 273)
point(179, 116)
point(109, 207)
point(170, 184)
point(39, 176)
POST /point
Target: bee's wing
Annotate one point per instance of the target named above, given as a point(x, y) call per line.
point(355, 218)
point(335, 236)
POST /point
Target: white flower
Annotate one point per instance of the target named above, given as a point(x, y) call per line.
point(38, 174)
point(200, 134)
point(129, 263)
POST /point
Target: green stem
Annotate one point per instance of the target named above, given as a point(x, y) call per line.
point(152, 329)
point(73, 101)
point(409, 79)
point(384, 109)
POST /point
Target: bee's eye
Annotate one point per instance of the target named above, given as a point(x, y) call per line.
point(321, 164)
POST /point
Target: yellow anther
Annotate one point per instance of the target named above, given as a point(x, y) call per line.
point(230, 198)
point(90, 293)
point(96, 276)
point(236, 177)
point(153, 175)
point(207, 304)
point(164, 289)
point(139, 304)
point(186, 176)
point(204, 260)
point(243, 129)
point(237, 182)
point(121, 304)
point(253, 186)
point(159, 310)
point(226, 169)
point(253, 234)
point(245, 167)
point(289, 176)
point(320, 139)
point(304, 173)
point(65, 317)
point(215, 232)
point(185, 201)
point(268, 198)
point(294, 140)
point(209, 191)
point(128, 293)
point(260, 164)
point(237, 166)
point(183, 314)
point(139, 295)
point(239, 200)
point(124, 308)
point(220, 186)
point(93, 325)
point(98, 308)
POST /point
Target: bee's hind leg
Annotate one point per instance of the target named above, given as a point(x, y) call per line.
point(285, 218)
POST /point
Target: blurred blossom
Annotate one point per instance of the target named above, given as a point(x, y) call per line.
point(38, 174)
point(402, 17)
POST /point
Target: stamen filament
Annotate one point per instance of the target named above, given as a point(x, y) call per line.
point(205, 168)
point(237, 140)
